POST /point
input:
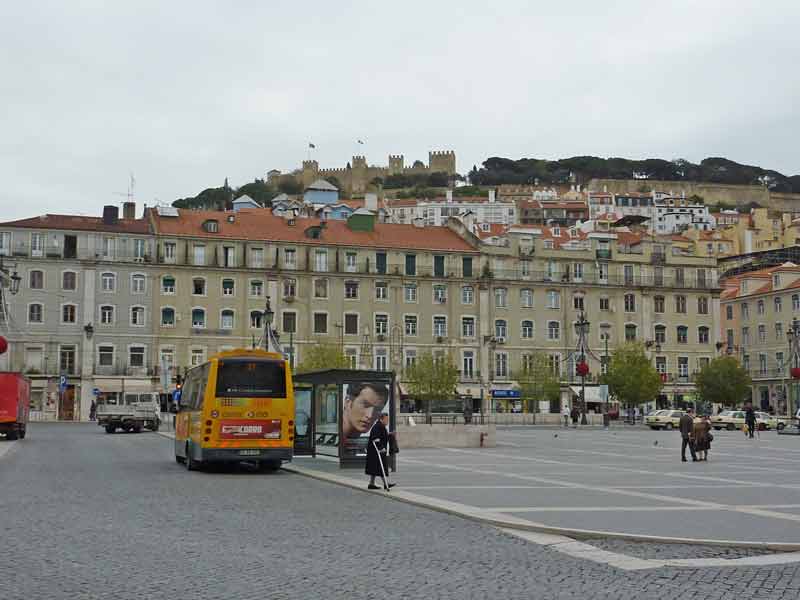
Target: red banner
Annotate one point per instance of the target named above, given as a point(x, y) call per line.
point(245, 429)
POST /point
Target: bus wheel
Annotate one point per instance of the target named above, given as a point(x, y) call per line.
point(155, 426)
point(191, 463)
point(11, 434)
point(110, 429)
point(137, 429)
point(269, 466)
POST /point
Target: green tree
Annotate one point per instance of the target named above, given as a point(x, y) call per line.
point(723, 381)
point(431, 379)
point(539, 382)
point(631, 377)
point(323, 356)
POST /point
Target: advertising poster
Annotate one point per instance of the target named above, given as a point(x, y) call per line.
point(362, 405)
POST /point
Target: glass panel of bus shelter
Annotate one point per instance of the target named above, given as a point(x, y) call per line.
point(303, 421)
point(326, 419)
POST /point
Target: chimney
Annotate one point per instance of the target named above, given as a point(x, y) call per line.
point(449, 195)
point(491, 196)
point(129, 210)
point(110, 215)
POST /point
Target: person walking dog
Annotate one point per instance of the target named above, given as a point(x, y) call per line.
point(686, 425)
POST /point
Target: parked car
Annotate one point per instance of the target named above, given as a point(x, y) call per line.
point(728, 419)
point(664, 419)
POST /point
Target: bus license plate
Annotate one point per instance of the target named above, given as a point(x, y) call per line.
point(249, 452)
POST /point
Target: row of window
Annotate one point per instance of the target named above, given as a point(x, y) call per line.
point(762, 334)
point(761, 307)
point(69, 312)
point(69, 281)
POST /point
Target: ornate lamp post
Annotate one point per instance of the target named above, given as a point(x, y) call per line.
point(606, 361)
point(9, 279)
point(582, 368)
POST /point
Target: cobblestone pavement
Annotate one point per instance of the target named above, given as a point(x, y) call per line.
point(667, 551)
point(90, 515)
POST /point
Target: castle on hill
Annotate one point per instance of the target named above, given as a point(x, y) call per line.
point(358, 175)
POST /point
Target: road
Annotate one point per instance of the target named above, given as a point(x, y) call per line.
point(90, 515)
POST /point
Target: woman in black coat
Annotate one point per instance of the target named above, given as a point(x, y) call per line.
point(377, 459)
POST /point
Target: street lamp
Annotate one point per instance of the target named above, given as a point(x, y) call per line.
point(583, 369)
point(12, 277)
point(606, 327)
point(89, 330)
point(269, 333)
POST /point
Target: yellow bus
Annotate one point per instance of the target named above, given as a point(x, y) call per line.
point(238, 406)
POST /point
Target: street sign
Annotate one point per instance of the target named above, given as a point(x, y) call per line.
point(96, 391)
point(176, 395)
point(62, 383)
point(506, 394)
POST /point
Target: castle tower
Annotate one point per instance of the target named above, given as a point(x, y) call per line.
point(442, 162)
point(359, 162)
point(310, 172)
point(395, 164)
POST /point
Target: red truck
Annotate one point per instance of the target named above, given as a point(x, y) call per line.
point(15, 404)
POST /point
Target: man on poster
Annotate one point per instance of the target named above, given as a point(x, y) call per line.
point(363, 404)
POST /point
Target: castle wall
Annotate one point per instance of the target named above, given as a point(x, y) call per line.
point(711, 193)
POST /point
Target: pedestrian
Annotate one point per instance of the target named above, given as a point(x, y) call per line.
point(701, 436)
point(565, 414)
point(377, 454)
point(750, 419)
point(686, 425)
point(93, 411)
point(575, 414)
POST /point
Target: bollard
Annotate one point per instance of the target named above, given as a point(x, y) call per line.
point(483, 435)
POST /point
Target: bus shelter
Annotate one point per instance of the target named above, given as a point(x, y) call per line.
point(335, 410)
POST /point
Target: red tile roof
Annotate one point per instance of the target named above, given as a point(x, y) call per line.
point(80, 223)
point(261, 224)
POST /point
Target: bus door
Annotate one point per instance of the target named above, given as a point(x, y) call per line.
point(304, 420)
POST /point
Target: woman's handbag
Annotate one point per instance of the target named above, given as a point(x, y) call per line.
point(709, 437)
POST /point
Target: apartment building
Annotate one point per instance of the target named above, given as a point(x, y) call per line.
point(83, 311)
point(758, 309)
point(436, 211)
point(384, 292)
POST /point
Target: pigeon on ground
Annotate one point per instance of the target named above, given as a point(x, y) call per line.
point(555, 435)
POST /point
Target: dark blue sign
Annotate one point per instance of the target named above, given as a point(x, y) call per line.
point(176, 395)
point(506, 394)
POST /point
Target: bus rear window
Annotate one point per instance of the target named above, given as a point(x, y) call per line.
point(251, 379)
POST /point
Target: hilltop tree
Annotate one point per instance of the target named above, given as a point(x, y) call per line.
point(723, 381)
point(431, 379)
point(538, 382)
point(323, 356)
point(631, 377)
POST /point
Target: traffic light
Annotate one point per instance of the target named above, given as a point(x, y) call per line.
point(178, 382)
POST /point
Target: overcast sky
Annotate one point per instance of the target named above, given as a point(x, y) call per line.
point(183, 94)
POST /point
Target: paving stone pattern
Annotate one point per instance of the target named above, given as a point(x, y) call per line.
point(89, 515)
point(681, 551)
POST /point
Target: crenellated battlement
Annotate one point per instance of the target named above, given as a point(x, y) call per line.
point(358, 175)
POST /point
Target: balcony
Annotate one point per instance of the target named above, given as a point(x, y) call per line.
point(602, 254)
point(658, 258)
